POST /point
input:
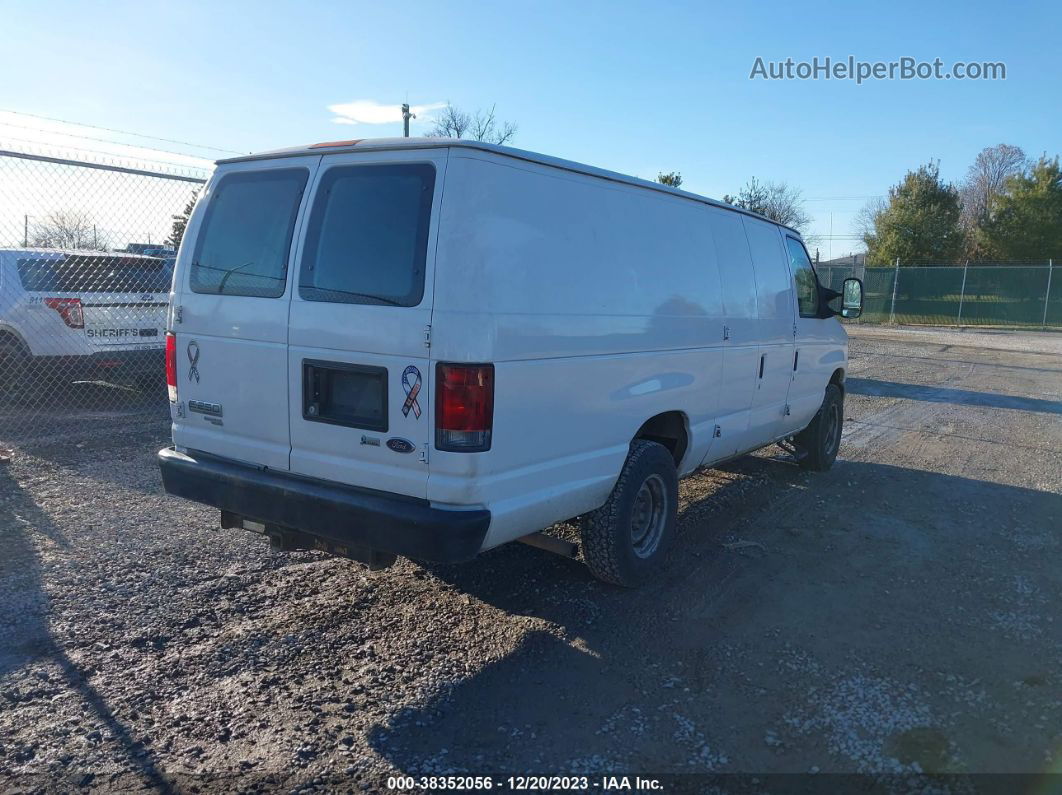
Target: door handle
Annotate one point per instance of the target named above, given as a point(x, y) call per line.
point(762, 357)
point(796, 358)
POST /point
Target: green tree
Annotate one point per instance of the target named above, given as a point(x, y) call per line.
point(180, 222)
point(919, 224)
point(672, 178)
point(1025, 221)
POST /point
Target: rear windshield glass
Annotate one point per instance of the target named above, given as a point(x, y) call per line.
point(368, 235)
point(95, 274)
point(243, 244)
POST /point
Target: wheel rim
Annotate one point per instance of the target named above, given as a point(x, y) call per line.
point(649, 516)
point(833, 424)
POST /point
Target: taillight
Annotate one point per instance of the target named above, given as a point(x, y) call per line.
point(69, 310)
point(464, 407)
point(171, 365)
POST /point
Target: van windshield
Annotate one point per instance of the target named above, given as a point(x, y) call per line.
point(367, 239)
point(84, 273)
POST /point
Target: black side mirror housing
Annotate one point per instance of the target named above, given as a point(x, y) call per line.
point(850, 303)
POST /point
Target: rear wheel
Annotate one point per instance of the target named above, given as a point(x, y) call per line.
point(625, 540)
point(817, 445)
point(14, 366)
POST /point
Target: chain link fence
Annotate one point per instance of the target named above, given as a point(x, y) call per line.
point(1020, 296)
point(86, 260)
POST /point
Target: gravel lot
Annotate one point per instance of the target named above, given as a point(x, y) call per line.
point(898, 613)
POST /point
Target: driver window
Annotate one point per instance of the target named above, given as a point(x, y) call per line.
point(807, 288)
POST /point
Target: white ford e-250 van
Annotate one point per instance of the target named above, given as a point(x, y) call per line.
point(430, 347)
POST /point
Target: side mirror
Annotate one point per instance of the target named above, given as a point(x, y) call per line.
point(851, 299)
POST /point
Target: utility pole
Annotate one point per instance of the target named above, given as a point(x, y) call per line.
point(25, 231)
point(406, 116)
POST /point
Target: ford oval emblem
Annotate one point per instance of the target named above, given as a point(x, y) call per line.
point(400, 445)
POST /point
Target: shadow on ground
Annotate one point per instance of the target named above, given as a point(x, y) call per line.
point(683, 676)
point(964, 397)
point(25, 637)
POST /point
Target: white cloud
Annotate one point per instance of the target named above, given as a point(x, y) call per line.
point(367, 111)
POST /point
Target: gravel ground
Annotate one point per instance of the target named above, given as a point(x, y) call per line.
point(896, 614)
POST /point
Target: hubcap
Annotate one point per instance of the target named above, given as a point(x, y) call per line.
point(649, 516)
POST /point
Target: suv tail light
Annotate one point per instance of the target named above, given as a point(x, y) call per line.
point(69, 310)
point(464, 407)
point(171, 365)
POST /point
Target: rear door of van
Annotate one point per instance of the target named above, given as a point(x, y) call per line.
point(358, 368)
point(230, 311)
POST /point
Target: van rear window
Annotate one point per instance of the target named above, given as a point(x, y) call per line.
point(367, 240)
point(243, 244)
point(86, 273)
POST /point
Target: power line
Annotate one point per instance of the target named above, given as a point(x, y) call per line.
point(108, 154)
point(125, 132)
point(98, 140)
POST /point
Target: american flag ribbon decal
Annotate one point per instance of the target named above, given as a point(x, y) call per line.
point(411, 385)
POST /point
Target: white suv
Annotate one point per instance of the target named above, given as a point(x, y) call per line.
point(66, 315)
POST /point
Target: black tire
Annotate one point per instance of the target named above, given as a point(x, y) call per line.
point(15, 373)
point(625, 541)
point(817, 444)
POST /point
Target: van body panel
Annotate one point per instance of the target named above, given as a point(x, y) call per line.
point(525, 278)
point(375, 335)
point(776, 312)
point(741, 348)
point(232, 350)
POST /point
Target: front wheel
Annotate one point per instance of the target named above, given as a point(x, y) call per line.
point(625, 540)
point(817, 444)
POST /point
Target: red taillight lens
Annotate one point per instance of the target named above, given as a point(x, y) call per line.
point(69, 310)
point(464, 407)
point(171, 365)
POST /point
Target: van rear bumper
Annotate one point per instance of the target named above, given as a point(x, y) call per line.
point(339, 514)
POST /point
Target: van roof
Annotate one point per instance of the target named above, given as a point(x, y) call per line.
point(378, 144)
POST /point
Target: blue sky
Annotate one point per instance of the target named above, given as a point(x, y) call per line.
point(634, 87)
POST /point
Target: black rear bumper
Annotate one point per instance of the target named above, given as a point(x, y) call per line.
point(339, 514)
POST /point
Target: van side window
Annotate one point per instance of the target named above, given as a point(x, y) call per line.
point(367, 239)
point(243, 245)
point(807, 284)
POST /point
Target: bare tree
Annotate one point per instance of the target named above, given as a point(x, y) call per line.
point(672, 178)
point(987, 179)
point(777, 200)
point(68, 229)
point(865, 223)
point(479, 126)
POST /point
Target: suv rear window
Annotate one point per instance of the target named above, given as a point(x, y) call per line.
point(85, 273)
point(367, 240)
point(246, 234)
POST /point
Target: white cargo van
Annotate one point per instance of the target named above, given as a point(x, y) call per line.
point(430, 347)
